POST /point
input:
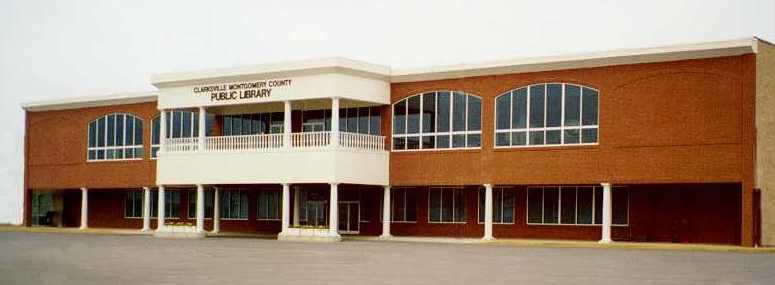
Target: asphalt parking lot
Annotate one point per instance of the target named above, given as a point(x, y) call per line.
point(51, 258)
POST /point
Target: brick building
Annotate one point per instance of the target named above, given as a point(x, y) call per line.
point(665, 144)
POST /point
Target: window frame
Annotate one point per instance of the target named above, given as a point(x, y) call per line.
point(450, 133)
point(279, 194)
point(135, 193)
point(513, 204)
point(594, 222)
point(561, 128)
point(441, 207)
point(222, 195)
point(124, 147)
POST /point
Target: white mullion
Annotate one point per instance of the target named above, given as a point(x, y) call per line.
point(543, 204)
point(511, 116)
point(577, 205)
point(546, 91)
point(422, 98)
point(529, 101)
point(559, 205)
point(562, 116)
point(594, 219)
point(435, 124)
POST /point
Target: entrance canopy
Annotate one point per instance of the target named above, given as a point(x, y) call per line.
point(289, 81)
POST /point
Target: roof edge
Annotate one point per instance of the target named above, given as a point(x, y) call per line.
point(90, 101)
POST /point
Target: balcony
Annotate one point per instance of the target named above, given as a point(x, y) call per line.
point(308, 157)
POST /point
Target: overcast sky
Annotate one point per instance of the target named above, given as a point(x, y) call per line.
point(62, 49)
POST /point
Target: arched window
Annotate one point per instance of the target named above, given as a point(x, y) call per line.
point(180, 124)
point(547, 114)
point(437, 120)
point(115, 137)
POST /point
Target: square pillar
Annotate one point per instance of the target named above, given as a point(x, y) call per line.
point(488, 212)
point(202, 128)
point(160, 209)
point(287, 125)
point(295, 207)
point(333, 208)
point(84, 208)
point(606, 231)
point(162, 131)
point(386, 216)
point(146, 209)
point(216, 211)
point(286, 207)
point(200, 208)
point(334, 122)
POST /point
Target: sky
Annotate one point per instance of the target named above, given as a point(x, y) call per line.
point(64, 49)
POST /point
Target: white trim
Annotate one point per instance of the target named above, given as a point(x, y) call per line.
point(91, 101)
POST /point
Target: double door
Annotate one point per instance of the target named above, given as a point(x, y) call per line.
point(349, 217)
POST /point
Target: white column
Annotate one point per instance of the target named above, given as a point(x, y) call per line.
point(295, 207)
point(162, 131)
point(84, 208)
point(287, 125)
point(606, 238)
point(333, 214)
point(488, 212)
point(216, 212)
point(160, 209)
point(202, 128)
point(386, 216)
point(200, 208)
point(334, 121)
point(286, 207)
point(146, 209)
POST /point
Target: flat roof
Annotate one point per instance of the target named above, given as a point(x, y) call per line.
point(342, 65)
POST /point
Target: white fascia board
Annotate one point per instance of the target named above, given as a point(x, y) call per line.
point(273, 70)
point(91, 101)
point(588, 60)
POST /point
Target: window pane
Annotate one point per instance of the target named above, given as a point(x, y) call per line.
point(244, 205)
point(227, 126)
point(120, 129)
point(399, 143)
point(209, 121)
point(519, 109)
point(459, 112)
point(352, 120)
point(399, 117)
point(474, 140)
point(447, 208)
point(537, 106)
point(458, 141)
point(411, 205)
point(412, 143)
point(138, 132)
point(434, 214)
point(428, 142)
point(508, 205)
point(519, 138)
point(191, 204)
point(536, 138)
point(460, 205)
point(442, 141)
point(619, 205)
point(93, 134)
point(482, 199)
point(502, 139)
point(589, 135)
point(551, 204)
point(111, 130)
point(413, 115)
point(572, 105)
point(553, 105)
point(129, 205)
point(236, 125)
point(571, 136)
point(497, 206)
point(185, 117)
point(568, 205)
point(399, 207)
point(363, 120)
point(155, 130)
point(429, 112)
point(535, 205)
point(598, 205)
point(442, 123)
point(474, 113)
point(589, 107)
point(101, 132)
point(375, 121)
point(553, 137)
point(584, 205)
point(503, 112)
point(246, 119)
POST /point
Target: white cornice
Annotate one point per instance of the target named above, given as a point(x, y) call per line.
point(91, 101)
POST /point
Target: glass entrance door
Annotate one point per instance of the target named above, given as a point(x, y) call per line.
point(349, 217)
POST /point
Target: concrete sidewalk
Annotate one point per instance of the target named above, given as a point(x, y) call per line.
point(448, 240)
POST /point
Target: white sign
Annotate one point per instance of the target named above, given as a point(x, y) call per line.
point(242, 90)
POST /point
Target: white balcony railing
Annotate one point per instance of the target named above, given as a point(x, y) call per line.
point(245, 142)
point(361, 141)
point(179, 145)
point(273, 141)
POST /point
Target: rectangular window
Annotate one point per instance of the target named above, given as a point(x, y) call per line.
point(172, 204)
point(575, 205)
point(234, 204)
point(403, 203)
point(208, 203)
point(448, 205)
point(502, 205)
point(269, 205)
point(133, 204)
